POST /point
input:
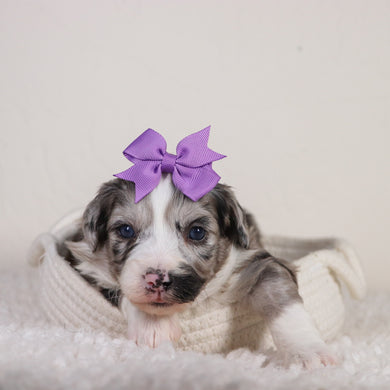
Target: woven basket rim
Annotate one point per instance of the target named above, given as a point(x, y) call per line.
point(328, 252)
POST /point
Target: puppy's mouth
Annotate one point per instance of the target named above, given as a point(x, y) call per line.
point(161, 304)
point(161, 308)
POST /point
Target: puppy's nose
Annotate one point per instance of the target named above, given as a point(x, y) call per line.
point(156, 279)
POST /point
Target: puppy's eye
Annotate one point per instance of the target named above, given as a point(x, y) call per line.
point(197, 233)
point(126, 231)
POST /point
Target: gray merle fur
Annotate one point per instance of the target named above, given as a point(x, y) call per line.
point(267, 283)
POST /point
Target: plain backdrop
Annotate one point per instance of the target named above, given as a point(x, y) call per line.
point(297, 93)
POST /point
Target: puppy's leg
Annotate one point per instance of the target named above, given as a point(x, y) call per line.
point(148, 329)
point(272, 290)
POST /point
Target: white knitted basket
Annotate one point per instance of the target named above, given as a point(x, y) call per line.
point(207, 326)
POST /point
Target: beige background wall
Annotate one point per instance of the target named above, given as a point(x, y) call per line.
point(297, 93)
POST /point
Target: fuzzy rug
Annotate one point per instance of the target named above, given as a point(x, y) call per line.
point(36, 355)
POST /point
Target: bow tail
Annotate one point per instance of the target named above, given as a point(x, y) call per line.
point(195, 182)
point(146, 176)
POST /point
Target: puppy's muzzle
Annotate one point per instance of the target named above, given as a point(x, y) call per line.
point(181, 285)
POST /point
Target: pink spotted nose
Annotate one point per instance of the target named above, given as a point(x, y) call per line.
point(156, 280)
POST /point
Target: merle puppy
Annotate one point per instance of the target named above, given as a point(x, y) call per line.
point(153, 259)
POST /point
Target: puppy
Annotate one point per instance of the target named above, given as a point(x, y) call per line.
point(155, 257)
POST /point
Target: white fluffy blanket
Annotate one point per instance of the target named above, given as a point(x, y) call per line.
point(36, 355)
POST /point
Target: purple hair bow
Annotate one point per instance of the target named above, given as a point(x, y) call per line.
point(191, 167)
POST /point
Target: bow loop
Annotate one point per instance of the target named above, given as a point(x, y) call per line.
point(192, 151)
point(195, 182)
point(149, 146)
point(191, 168)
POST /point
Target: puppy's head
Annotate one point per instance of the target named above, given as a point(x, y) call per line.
point(162, 250)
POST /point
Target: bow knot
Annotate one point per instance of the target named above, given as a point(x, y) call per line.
point(191, 167)
point(168, 163)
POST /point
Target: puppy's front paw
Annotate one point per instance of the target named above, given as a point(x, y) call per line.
point(316, 356)
point(298, 339)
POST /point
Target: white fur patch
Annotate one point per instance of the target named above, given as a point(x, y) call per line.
point(150, 330)
point(159, 249)
point(163, 240)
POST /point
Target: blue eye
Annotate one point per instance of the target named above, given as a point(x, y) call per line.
point(126, 231)
point(197, 233)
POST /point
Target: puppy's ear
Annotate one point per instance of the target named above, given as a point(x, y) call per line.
point(232, 218)
point(98, 212)
point(91, 259)
point(93, 226)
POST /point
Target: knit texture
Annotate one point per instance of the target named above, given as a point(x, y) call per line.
point(207, 326)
